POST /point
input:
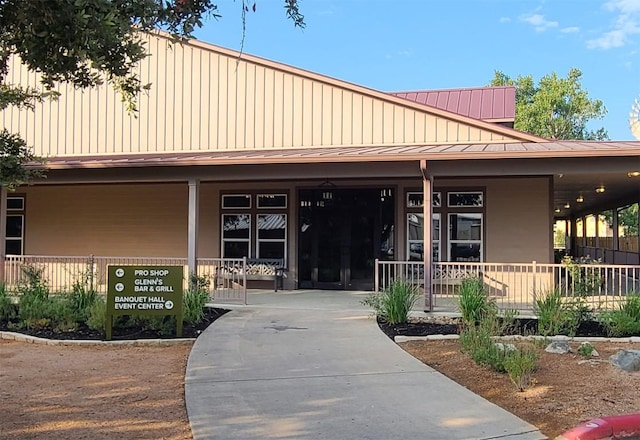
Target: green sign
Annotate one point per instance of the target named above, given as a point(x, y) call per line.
point(144, 290)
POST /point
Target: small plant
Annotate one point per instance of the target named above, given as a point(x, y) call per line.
point(586, 349)
point(473, 301)
point(394, 304)
point(520, 364)
point(477, 341)
point(625, 320)
point(80, 299)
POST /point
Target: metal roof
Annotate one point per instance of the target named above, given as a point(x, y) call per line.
point(493, 104)
point(516, 150)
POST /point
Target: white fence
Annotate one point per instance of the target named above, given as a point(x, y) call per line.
point(518, 285)
point(225, 276)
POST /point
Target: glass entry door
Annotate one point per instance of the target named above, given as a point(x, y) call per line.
point(341, 233)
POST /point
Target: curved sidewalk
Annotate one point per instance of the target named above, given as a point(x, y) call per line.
point(305, 367)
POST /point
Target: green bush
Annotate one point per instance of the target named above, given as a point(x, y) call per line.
point(33, 282)
point(7, 307)
point(556, 317)
point(394, 304)
point(80, 300)
point(36, 312)
point(625, 320)
point(193, 304)
point(97, 315)
point(473, 301)
point(163, 325)
point(520, 364)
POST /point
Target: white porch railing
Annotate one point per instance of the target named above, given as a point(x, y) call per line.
point(518, 285)
point(225, 275)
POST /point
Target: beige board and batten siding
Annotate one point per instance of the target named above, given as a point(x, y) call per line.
point(205, 98)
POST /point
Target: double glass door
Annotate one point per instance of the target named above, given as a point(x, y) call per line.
point(341, 233)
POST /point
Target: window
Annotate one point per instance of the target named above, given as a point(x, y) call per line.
point(465, 199)
point(272, 235)
point(415, 199)
point(461, 217)
point(15, 226)
point(258, 228)
point(415, 237)
point(236, 235)
point(465, 237)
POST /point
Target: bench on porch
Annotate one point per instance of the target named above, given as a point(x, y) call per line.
point(259, 269)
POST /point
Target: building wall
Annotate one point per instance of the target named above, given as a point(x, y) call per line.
point(151, 219)
point(205, 98)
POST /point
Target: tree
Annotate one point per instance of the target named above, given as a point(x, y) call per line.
point(556, 108)
point(85, 43)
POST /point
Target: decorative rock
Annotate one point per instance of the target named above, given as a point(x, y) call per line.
point(558, 347)
point(627, 360)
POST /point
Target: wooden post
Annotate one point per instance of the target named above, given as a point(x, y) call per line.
point(426, 235)
point(192, 247)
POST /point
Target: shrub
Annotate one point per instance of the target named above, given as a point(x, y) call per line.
point(477, 341)
point(394, 304)
point(163, 325)
point(473, 301)
point(520, 364)
point(80, 300)
point(7, 307)
point(584, 279)
point(586, 349)
point(97, 315)
point(555, 317)
point(33, 282)
point(625, 320)
point(193, 304)
point(36, 312)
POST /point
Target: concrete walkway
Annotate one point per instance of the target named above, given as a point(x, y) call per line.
point(314, 365)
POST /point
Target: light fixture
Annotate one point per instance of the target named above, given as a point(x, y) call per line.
point(580, 199)
point(633, 174)
point(567, 205)
point(557, 210)
point(600, 189)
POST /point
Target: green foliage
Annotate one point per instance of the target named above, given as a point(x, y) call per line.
point(15, 155)
point(163, 325)
point(37, 312)
point(473, 301)
point(557, 316)
point(586, 349)
point(395, 302)
point(195, 299)
point(625, 320)
point(80, 299)
point(555, 108)
point(584, 276)
point(33, 282)
point(7, 307)
point(97, 316)
point(520, 364)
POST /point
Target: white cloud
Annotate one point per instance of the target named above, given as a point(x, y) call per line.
point(570, 30)
point(625, 25)
point(538, 21)
point(505, 20)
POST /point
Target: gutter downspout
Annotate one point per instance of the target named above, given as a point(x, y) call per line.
point(426, 234)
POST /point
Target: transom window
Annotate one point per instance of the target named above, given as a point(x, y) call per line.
point(257, 228)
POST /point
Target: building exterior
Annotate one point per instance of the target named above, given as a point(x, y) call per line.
point(235, 156)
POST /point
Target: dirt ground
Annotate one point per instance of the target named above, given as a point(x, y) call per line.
point(567, 391)
point(71, 392)
point(109, 392)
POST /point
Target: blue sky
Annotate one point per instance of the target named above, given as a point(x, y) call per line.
point(393, 45)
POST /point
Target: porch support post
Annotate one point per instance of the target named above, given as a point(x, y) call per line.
point(3, 231)
point(427, 208)
point(614, 226)
point(194, 205)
